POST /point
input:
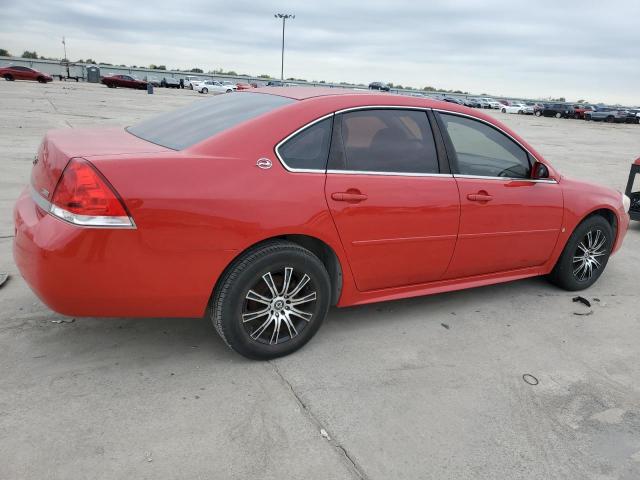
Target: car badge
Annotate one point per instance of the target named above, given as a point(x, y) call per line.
point(264, 163)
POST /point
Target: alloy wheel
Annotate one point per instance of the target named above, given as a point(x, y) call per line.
point(586, 259)
point(279, 306)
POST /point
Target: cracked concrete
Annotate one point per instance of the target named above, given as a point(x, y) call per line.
point(398, 395)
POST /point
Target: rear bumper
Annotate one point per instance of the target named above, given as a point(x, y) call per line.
point(102, 272)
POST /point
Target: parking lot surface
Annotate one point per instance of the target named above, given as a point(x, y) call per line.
point(428, 388)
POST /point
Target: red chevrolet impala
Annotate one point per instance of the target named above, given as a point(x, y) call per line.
point(262, 209)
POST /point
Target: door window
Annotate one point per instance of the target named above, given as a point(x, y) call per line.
point(389, 140)
point(309, 148)
point(482, 150)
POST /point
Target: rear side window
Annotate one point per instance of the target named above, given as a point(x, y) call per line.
point(202, 119)
point(387, 140)
point(308, 149)
point(482, 150)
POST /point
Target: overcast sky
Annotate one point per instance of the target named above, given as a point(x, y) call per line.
point(579, 49)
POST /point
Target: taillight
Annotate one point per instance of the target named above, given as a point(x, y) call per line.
point(84, 197)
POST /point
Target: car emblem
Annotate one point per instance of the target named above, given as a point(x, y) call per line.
point(264, 163)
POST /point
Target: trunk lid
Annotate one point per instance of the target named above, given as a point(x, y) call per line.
point(59, 146)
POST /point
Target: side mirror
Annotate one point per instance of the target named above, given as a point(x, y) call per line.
point(540, 171)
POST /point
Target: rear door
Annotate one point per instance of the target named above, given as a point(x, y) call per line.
point(508, 220)
point(395, 209)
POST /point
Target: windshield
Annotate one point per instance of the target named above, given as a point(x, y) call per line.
point(202, 119)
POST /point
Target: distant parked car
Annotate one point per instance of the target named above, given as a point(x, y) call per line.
point(190, 79)
point(483, 103)
point(229, 84)
point(455, 100)
point(170, 82)
point(212, 86)
point(18, 72)
point(244, 86)
point(125, 81)
point(520, 108)
point(632, 117)
point(580, 110)
point(153, 80)
point(496, 105)
point(274, 83)
point(558, 110)
point(607, 114)
point(379, 86)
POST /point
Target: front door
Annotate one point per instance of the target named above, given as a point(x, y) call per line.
point(508, 221)
point(396, 214)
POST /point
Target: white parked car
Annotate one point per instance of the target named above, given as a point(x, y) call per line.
point(190, 80)
point(212, 86)
point(496, 105)
point(229, 84)
point(520, 108)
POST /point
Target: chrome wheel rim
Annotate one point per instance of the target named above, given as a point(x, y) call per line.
point(279, 306)
point(587, 259)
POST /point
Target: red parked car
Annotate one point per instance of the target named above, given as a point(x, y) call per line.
point(245, 86)
point(339, 198)
point(17, 72)
point(126, 81)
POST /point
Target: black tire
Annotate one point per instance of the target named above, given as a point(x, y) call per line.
point(41, 80)
point(247, 274)
point(8, 77)
point(538, 113)
point(229, 90)
point(504, 110)
point(558, 115)
point(204, 90)
point(610, 119)
point(563, 274)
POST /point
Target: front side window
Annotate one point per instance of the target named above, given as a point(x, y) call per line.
point(387, 140)
point(308, 149)
point(482, 150)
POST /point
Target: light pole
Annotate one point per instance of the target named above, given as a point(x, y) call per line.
point(284, 17)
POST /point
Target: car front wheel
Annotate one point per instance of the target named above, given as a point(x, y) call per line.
point(538, 113)
point(271, 300)
point(585, 255)
point(204, 90)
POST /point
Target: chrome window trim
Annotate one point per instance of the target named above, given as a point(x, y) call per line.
point(510, 179)
point(406, 107)
point(86, 221)
point(389, 174)
point(282, 142)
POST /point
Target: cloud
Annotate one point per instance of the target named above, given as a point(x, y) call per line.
point(576, 49)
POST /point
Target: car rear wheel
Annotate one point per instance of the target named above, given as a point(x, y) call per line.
point(271, 300)
point(538, 113)
point(8, 77)
point(504, 110)
point(204, 90)
point(610, 119)
point(558, 115)
point(229, 90)
point(585, 255)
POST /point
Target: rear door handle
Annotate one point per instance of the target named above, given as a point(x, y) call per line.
point(480, 197)
point(348, 197)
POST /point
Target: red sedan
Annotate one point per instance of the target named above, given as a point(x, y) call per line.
point(262, 209)
point(125, 81)
point(18, 72)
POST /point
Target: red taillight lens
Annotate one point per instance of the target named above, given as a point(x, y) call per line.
point(83, 191)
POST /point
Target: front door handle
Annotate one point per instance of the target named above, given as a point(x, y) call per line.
point(348, 196)
point(481, 196)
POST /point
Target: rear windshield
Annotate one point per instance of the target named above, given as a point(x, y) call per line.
point(200, 120)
